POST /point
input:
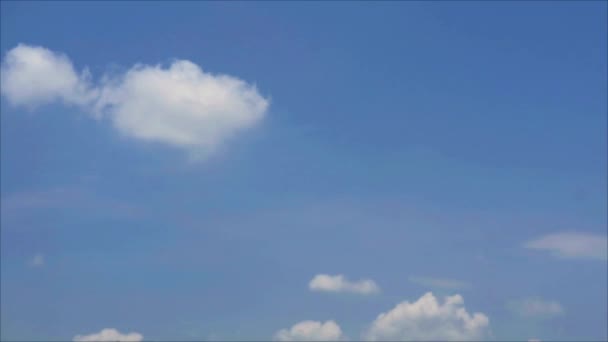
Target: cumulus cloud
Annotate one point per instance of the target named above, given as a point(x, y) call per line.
point(572, 245)
point(339, 283)
point(536, 307)
point(179, 105)
point(440, 283)
point(427, 319)
point(36, 261)
point(33, 76)
point(311, 331)
point(109, 335)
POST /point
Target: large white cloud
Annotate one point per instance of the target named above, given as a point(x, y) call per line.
point(109, 335)
point(572, 245)
point(311, 331)
point(339, 283)
point(180, 105)
point(427, 319)
point(536, 307)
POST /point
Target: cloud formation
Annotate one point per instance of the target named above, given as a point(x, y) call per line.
point(33, 76)
point(572, 245)
point(427, 319)
point(311, 331)
point(441, 283)
point(339, 283)
point(180, 105)
point(536, 307)
point(107, 335)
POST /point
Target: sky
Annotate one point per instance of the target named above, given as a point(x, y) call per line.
point(303, 171)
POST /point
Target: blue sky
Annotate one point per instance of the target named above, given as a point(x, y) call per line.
point(457, 148)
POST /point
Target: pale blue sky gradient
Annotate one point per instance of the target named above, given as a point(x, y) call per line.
point(403, 139)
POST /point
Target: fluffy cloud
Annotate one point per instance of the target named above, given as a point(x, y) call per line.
point(572, 245)
point(440, 283)
point(427, 319)
point(536, 307)
point(338, 283)
point(311, 331)
point(109, 335)
point(180, 105)
point(33, 76)
point(36, 261)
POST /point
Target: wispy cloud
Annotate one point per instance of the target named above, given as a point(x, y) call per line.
point(535, 307)
point(339, 283)
point(441, 283)
point(64, 198)
point(572, 245)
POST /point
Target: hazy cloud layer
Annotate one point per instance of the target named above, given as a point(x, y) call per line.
point(339, 283)
point(572, 245)
point(22, 204)
point(180, 105)
point(441, 283)
point(428, 319)
point(536, 307)
point(311, 331)
point(107, 335)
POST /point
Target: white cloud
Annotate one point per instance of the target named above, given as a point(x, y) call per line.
point(572, 245)
point(180, 105)
point(36, 261)
point(33, 76)
point(339, 283)
point(427, 319)
point(311, 331)
point(536, 307)
point(440, 283)
point(109, 335)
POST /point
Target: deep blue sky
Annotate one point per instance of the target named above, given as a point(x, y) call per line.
point(402, 139)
